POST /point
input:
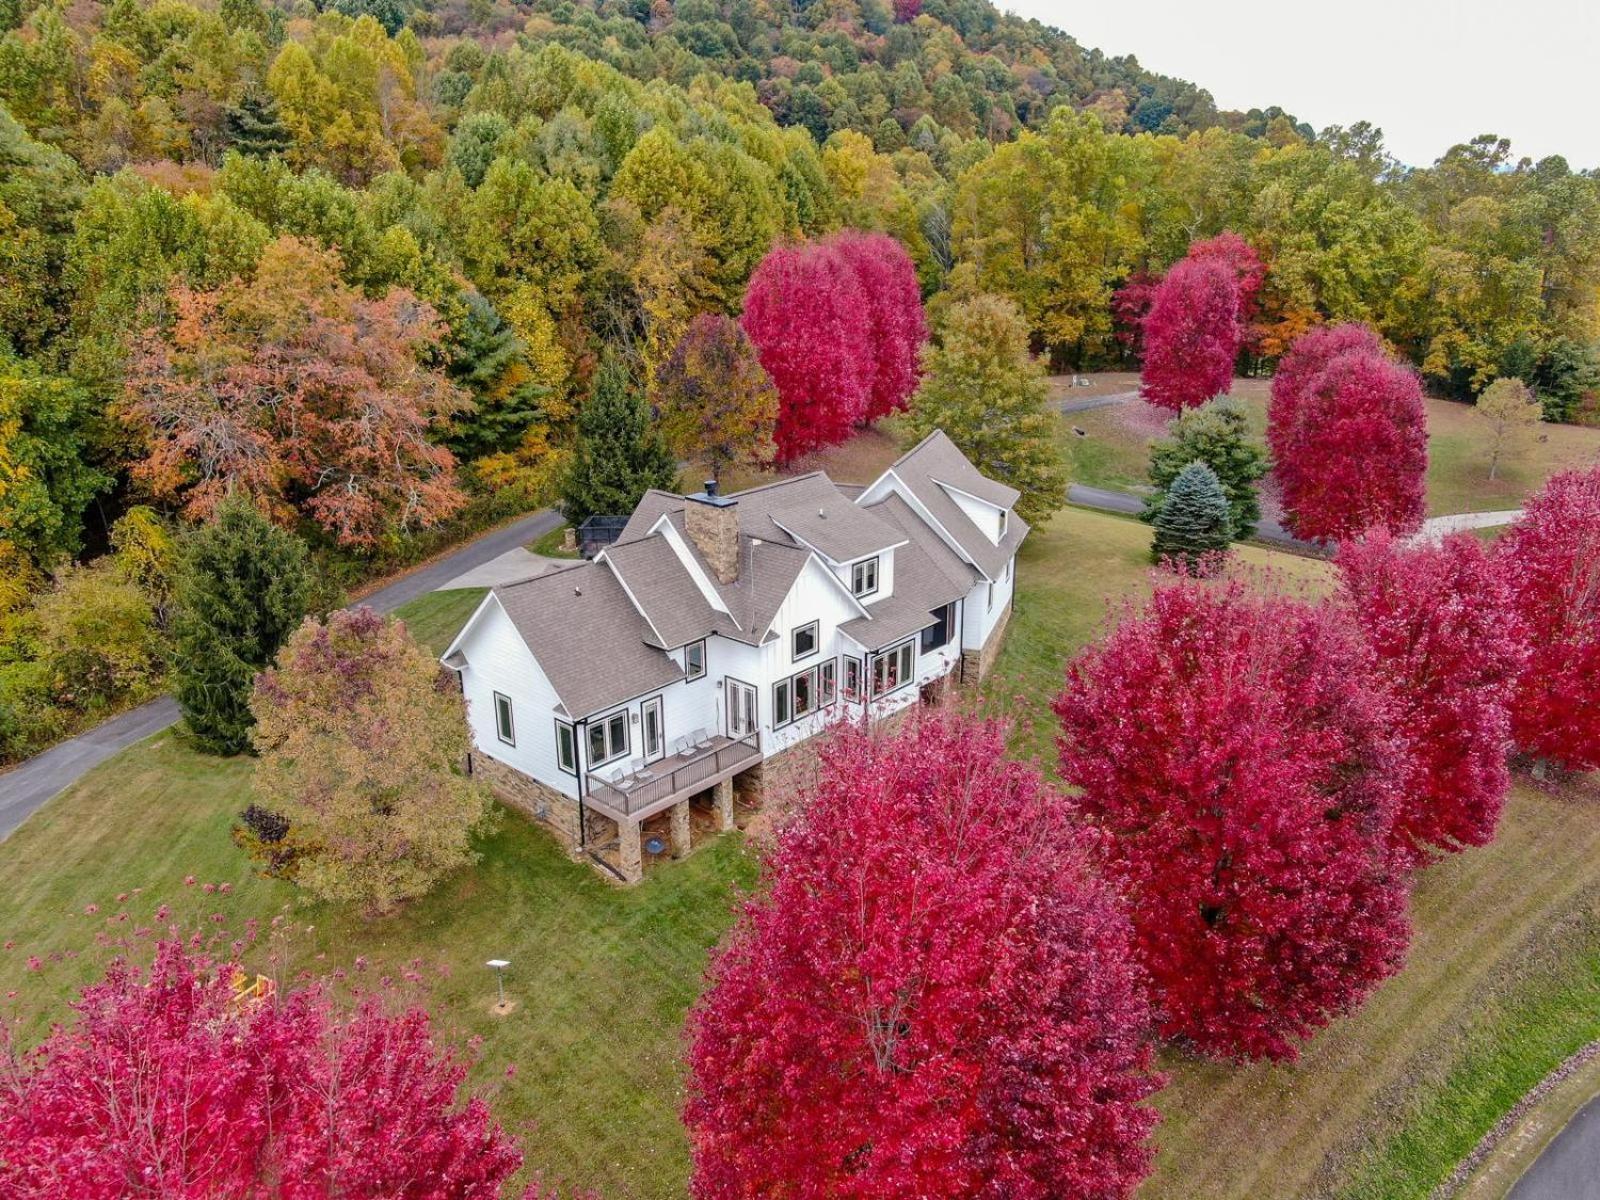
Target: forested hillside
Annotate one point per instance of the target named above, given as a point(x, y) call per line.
point(363, 263)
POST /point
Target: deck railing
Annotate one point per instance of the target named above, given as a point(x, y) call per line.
point(675, 777)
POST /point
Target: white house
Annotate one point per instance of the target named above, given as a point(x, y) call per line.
point(721, 630)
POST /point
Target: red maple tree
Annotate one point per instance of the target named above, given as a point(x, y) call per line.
point(895, 325)
point(297, 390)
point(1191, 335)
point(1349, 437)
point(931, 996)
point(166, 1084)
point(805, 310)
point(1235, 755)
point(1447, 647)
point(1550, 561)
point(1249, 272)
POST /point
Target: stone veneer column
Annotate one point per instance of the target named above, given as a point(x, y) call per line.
point(629, 854)
point(680, 829)
point(724, 798)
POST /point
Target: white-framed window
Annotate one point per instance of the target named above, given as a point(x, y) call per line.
point(894, 668)
point(804, 641)
point(694, 660)
point(989, 604)
point(828, 681)
point(805, 693)
point(608, 738)
point(566, 748)
point(864, 577)
point(504, 728)
point(852, 678)
point(1004, 514)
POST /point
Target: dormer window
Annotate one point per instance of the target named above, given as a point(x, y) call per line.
point(1004, 515)
point(864, 577)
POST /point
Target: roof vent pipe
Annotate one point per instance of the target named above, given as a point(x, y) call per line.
point(711, 487)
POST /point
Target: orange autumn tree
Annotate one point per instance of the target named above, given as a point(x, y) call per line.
point(300, 392)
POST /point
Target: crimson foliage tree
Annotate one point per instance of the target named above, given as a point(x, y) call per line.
point(837, 325)
point(1234, 754)
point(896, 325)
point(932, 996)
point(1191, 335)
point(1241, 259)
point(1349, 437)
point(1550, 560)
point(1447, 647)
point(165, 1085)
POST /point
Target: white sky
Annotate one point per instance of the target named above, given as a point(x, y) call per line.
point(1430, 73)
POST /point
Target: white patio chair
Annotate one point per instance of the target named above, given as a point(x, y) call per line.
point(702, 739)
point(682, 746)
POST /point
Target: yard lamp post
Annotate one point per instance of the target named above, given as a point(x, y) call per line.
point(498, 966)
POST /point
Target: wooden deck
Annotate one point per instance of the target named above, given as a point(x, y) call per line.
point(668, 780)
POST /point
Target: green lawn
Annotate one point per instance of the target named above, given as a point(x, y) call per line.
point(1504, 978)
point(602, 975)
point(435, 619)
point(1113, 452)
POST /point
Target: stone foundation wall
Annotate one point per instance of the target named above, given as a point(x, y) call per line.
point(539, 801)
point(976, 664)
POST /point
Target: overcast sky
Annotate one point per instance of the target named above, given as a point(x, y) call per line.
point(1430, 73)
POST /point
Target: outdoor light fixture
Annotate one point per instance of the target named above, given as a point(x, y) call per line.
point(499, 965)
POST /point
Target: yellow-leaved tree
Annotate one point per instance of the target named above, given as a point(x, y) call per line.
point(362, 740)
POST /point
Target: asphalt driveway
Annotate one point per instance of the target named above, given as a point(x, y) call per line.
point(27, 786)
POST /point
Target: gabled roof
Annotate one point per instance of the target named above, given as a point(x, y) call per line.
point(601, 630)
point(932, 467)
point(589, 639)
point(658, 583)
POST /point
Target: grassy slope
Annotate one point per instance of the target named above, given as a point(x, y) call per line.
point(1114, 455)
point(602, 975)
point(1502, 982)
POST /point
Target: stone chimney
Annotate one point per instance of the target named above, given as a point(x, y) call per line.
point(712, 521)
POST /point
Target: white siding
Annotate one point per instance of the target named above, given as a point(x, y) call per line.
point(845, 573)
point(985, 605)
point(498, 660)
point(815, 596)
point(982, 514)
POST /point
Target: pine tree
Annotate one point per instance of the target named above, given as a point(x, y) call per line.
point(1218, 435)
point(489, 360)
point(243, 586)
point(619, 456)
point(254, 127)
point(1195, 521)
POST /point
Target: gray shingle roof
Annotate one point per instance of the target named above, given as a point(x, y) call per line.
point(652, 572)
point(935, 462)
point(587, 636)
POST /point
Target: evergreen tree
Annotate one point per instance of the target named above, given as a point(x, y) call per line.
point(619, 456)
point(490, 361)
point(987, 392)
point(1194, 522)
point(1218, 435)
point(243, 585)
point(254, 127)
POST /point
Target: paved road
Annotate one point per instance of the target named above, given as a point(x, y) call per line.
point(1092, 402)
point(24, 788)
point(1108, 500)
point(1569, 1168)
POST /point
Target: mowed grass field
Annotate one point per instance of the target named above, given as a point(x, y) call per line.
point(1112, 451)
point(1503, 981)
